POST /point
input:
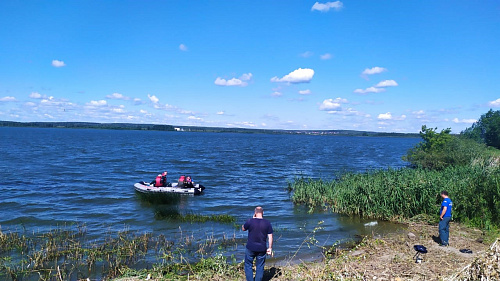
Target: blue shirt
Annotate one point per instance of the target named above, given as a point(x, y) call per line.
point(446, 203)
point(258, 229)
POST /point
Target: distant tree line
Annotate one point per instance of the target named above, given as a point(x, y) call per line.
point(89, 125)
point(153, 127)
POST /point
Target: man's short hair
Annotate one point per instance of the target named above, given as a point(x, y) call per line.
point(444, 192)
point(259, 210)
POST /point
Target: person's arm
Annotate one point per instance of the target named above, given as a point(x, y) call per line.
point(270, 249)
point(243, 227)
point(443, 212)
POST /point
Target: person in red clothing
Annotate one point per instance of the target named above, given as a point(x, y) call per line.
point(259, 230)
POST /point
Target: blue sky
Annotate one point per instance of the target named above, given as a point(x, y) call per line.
point(359, 65)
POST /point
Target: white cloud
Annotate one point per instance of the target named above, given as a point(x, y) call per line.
point(231, 82)
point(246, 76)
point(153, 98)
point(332, 104)
point(464, 121)
point(30, 104)
point(495, 103)
point(276, 94)
point(220, 113)
point(183, 47)
point(138, 101)
point(58, 63)
point(35, 95)
point(388, 116)
point(234, 81)
point(325, 7)
point(373, 70)
point(306, 54)
point(8, 98)
point(195, 118)
point(305, 92)
point(387, 83)
point(385, 116)
point(117, 96)
point(369, 90)
point(326, 56)
point(301, 75)
point(97, 103)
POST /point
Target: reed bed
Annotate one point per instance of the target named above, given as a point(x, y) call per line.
point(399, 194)
point(66, 254)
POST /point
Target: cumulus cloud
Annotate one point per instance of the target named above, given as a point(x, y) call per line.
point(276, 94)
point(8, 98)
point(385, 116)
point(183, 47)
point(301, 75)
point(36, 95)
point(325, 7)
point(326, 56)
point(305, 92)
point(58, 63)
point(220, 113)
point(117, 96)
point(495, 103)
point(387, 83)
point(332, 104)
point(388, 116)
point(97, 103)
point(241, 81)
point(369, 90)
point(153, 98)
point(373, 70)
point(464, 121)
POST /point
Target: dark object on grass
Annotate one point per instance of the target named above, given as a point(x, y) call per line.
point(420, 250)
point(465, 251)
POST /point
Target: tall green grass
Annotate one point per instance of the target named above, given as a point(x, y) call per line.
point(395, 194)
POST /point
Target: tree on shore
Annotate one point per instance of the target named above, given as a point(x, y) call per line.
point(486, 129)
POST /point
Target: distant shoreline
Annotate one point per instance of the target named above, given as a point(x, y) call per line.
point(172, 128)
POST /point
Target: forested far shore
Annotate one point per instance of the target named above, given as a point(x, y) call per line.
point(158, 127)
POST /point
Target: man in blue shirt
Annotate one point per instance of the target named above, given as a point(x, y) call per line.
point(259, 230)
point(445, 217)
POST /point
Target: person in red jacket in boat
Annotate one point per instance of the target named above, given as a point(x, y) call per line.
point(185, 181)
point(160, 180)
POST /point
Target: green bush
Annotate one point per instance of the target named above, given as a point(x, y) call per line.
point(440, 150)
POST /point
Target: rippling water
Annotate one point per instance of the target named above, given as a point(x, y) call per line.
point(51, 177)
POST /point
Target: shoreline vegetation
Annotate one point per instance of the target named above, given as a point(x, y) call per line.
point(467, 165)
point(171, 128)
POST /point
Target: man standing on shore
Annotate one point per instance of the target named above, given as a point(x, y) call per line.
point(445, 217)
point(259, 229)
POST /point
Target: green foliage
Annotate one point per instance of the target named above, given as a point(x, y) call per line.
point(405, 193)
point(440, 150)
point(486, 129)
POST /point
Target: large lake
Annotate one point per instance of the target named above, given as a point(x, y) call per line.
point(52, 177)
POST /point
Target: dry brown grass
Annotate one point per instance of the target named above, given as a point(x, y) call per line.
point(391, 257)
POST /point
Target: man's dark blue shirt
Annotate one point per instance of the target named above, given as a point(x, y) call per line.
point(258, 229)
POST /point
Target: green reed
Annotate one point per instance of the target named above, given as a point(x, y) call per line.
point(66, 253)
point(403, 193)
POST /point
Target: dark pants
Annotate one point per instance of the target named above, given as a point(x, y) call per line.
point(260, 260)
point(444, 230)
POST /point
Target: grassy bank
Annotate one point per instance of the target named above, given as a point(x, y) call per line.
point(397, 194)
